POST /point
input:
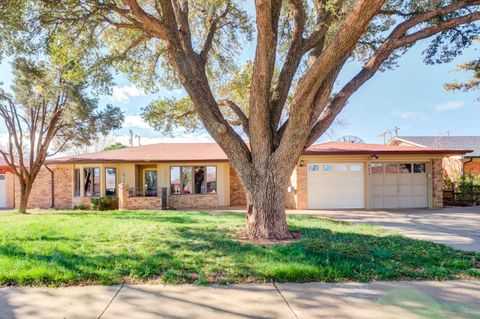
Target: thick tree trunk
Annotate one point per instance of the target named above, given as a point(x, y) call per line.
point(25, 190)
point(266, 217)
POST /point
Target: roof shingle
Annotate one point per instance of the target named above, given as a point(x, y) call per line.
point(197, 152)
point(462, 142)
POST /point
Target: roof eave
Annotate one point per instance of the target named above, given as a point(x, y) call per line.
point(106, 161)
point(419, 152)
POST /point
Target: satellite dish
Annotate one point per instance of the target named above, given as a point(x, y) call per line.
point(351, 139)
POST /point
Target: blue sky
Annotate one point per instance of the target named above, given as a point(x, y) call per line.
point(410, 97)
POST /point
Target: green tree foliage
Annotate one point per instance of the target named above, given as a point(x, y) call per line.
point(472, 84)
point(46, 113)
point(115, 146)
point(166, 114)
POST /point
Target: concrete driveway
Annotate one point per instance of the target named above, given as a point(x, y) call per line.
point(458, 227)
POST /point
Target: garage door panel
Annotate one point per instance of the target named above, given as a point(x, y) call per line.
point(399, 185)
point(405, 202)
point(390, 179)
point(3, 191)
point(421, 201)
point(420, 190)
point(336, 185)
point(404, 179)
point(390, 202)
point(419, 179)
point(404, 190)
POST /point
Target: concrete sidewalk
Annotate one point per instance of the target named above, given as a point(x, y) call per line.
point(427, 299)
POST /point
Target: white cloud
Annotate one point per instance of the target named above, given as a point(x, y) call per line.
point(135, 121)
point(410, 115)
point(448, 106)
point(123, 94)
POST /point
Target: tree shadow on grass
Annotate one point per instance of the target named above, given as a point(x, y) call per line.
point(211, 254)
point(177, 217)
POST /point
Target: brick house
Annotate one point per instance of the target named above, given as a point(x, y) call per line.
point(329, 176)
point(470, 161)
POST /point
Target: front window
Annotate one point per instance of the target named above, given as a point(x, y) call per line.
point(200, 180)
point(193, 180)
point(186, 180)
point(91, 182)
point(211, 179)
point(77, 182)
point(110, 182)
point(175, 187)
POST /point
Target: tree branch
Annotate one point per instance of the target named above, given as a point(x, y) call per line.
point(150, 23)
point(261, 139)
point(238, 111)
point(207, 46)
point(396, 39)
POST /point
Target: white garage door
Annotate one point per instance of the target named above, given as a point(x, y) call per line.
point(399, 185)
point(336, 185)
point(3, 192)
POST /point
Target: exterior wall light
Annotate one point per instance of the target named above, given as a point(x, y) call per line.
point(373, 157)
point(302, 163)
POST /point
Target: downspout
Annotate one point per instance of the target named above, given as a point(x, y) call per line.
point(52, 188)
point(463, 164)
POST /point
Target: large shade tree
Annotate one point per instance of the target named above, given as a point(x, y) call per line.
point(300, 48)
point(46, 113)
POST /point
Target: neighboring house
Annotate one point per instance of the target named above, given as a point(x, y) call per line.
point(471, 160)
point(7, 186)
point(331, 176)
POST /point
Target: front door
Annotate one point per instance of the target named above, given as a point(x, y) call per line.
point(150, 182)
point(3, 191)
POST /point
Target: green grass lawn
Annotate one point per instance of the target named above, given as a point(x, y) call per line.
point(177, 247)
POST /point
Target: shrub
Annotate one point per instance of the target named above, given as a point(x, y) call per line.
point(81, 207)
point(104, 203)
point(468, 185)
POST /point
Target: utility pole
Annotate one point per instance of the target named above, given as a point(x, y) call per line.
point(396, 129)
point(138, 137)
point(131, 137)
point(448, 132)
point(384, 134)
point(389, 133)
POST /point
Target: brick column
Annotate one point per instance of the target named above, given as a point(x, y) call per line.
point(437, 183)
point(122, 196)
point(301, 191)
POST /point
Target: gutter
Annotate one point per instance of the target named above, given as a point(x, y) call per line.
point(52, 187)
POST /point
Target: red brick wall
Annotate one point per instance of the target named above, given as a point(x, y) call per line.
point(237, 195)
point(473, 166)
point(136, 203)
point(437, 180)
point(63, 180)
point(40, 197)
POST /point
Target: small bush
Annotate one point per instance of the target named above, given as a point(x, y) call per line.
point(104, 203)
point(81, 207)
point(469, 185)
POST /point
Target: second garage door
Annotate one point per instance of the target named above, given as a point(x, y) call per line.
point(336, 185)
point(399, 185)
